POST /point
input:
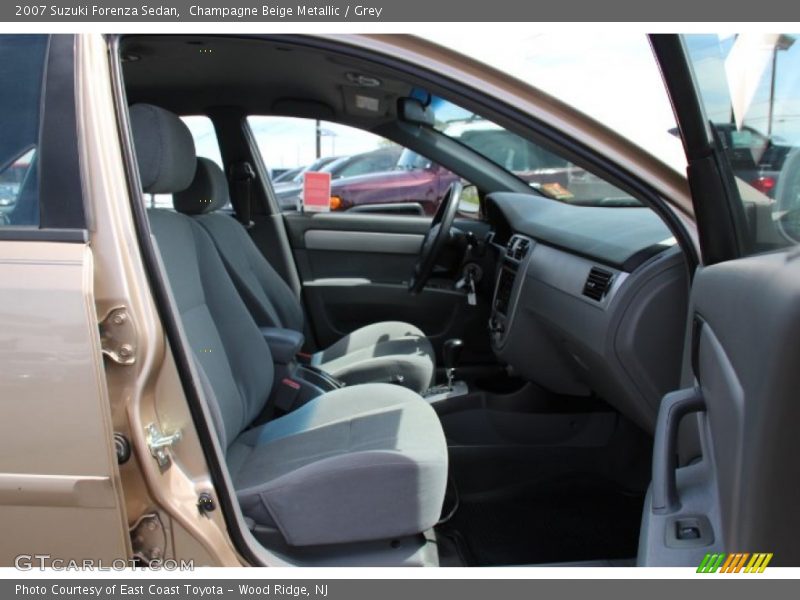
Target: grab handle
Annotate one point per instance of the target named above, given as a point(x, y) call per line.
point(674, 407)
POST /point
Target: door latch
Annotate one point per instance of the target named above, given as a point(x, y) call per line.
point(160, 443)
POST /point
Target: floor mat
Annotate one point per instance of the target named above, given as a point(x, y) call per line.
point(554, 523)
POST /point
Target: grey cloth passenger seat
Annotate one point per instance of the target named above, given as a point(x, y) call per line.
point(365, 462)
point(388, 352)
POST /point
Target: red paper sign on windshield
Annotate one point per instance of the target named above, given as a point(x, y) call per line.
point(316, 191)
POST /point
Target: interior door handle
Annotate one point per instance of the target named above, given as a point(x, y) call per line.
point(674, 407)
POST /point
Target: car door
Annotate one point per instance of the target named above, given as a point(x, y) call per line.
point(726, 462)
point(354, 262)
point(355, 269)
point(60, 491)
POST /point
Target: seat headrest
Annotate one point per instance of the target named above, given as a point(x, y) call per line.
point(164, 149)
point(207, 192)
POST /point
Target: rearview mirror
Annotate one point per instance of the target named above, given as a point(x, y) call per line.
point(413, 111)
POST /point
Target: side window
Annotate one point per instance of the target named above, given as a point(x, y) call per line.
point(205, 137)
point(750, 88)
point(21, 72)
point(368, 173)
point(206, 145)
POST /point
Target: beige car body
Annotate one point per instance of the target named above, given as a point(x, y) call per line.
point(62, 492)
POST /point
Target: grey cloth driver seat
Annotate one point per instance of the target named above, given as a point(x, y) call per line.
point(386, 352)
point(365, 462)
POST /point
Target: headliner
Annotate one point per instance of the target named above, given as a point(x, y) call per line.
point(191, 74)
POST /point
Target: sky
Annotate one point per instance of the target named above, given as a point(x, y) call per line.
point(715, 60)
point(287, 142)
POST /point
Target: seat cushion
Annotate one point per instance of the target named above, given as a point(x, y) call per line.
point(359, 463)
point(388, 352)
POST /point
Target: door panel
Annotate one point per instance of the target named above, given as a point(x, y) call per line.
point(741, 494)
point(374, 248)
point(355, 269)
point(371, 266)
point(746, 486)
point(356, 241)
point(59, 486)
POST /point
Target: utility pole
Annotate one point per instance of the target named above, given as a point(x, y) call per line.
point(784, 42)
point(318, 130)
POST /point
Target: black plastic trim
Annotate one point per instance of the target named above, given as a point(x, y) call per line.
point(60, 187)
point(642, 256)
point(168, 318)
point(719, 215)
point(34, 234)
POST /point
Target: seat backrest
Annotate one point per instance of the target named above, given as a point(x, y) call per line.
point(227, 345)
point(269, 299)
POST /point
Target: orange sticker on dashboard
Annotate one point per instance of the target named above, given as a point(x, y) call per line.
point(557, 191)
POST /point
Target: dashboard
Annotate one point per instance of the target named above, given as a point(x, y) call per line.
point(589, 300)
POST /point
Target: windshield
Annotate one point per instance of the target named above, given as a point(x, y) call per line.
point(546, 172)
point(609, 74)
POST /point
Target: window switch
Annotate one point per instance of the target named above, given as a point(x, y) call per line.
point(688, 532)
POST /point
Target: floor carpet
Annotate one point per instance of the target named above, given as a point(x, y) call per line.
point(553, 523)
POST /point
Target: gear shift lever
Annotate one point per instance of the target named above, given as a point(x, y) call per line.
point(451, 350)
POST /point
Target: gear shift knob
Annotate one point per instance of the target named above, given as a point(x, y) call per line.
point(451, 351)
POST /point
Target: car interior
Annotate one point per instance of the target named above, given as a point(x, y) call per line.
point(391, 389)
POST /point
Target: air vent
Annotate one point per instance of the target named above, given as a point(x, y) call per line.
point(517, 247)
point(597, 284)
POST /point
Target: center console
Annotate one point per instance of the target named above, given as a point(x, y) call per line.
point(295, 383)
point(299, 382)
point(506, 292)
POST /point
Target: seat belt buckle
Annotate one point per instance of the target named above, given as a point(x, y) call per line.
point(286, 394)
point(304, 358)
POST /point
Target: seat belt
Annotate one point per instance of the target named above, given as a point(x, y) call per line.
point(241, 178)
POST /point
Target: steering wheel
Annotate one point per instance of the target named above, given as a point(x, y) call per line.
point(435, 239)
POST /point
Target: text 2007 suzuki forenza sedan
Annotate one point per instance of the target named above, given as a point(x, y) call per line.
point(591, 364)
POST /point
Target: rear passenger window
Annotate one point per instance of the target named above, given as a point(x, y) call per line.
point(206, 145)
point(205, 137)
point(21, 72)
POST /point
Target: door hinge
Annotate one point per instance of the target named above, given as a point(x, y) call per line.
point(118, 336)
point(148, 539)
point(160, 443)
